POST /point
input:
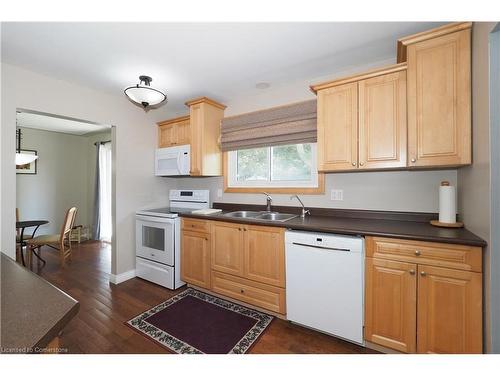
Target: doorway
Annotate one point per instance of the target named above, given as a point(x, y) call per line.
point(64, 175)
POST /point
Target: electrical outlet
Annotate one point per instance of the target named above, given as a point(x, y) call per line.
point(219, 193)
point(336, 195)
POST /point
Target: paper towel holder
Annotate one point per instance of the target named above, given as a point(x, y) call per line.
point(437, 223)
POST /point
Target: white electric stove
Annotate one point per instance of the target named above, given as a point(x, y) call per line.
point(158, 233)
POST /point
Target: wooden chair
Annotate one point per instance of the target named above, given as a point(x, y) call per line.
point(60, 242)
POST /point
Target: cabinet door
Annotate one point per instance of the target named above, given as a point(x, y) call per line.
point(227, 248)
point(390, 304)
point(382, 121)
point(449, 311)
point(183, 132)
point(195, 258)
point(167, 135)
point(196, 137)
point(338, 128)
point(439, 102)
point(265, 255)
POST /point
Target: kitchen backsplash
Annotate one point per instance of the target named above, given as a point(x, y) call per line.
point(392, 191)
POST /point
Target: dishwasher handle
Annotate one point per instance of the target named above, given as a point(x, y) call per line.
point(320, 247)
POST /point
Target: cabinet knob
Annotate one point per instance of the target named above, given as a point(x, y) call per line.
point(417, 252)
point(244, 229)
point(422, 273)
point(242, 291)
point(239, 229)
point(413, 160)
point(361, 163)
point(412, 272)
point(353, 163)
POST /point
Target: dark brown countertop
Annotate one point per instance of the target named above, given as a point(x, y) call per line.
point(33, 310)
point(410, 226)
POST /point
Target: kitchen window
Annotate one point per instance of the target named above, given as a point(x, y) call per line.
point(282, 166)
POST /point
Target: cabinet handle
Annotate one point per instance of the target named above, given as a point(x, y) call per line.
point(412, 272)
point(244, 229)
point(206, 239)
point(422, 273)
point(417, 252)
point(353, 163)
point(242, 291)
point(239, 229)
point(413, 160)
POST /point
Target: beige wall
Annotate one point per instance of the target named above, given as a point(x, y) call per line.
point(136, 186)
point(394, 191)
point(474, 181)
point(60, 182)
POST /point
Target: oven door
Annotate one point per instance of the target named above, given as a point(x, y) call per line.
point(155, 238)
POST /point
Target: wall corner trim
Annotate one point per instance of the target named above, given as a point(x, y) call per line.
point(121, 277)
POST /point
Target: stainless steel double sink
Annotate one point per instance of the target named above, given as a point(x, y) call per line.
point(261, 215)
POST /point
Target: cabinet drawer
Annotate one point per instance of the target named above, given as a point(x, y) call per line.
point(196, 225)
point(261, 295)
point(468, 258)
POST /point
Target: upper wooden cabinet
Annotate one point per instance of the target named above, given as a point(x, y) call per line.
point(201, 130)
point(362, 121)
point(439, 95)
point(173, 132)
point(206, 156)
point(338, 128)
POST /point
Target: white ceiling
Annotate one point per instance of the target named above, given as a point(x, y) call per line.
point(186, 60)
point(56, 124)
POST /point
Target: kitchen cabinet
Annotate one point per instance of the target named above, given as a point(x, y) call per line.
point(423, 297)
point(338, 128)
point(201, 130)
point(173, 132)
point(362, 121)
point(439, 95)
point(265, 255)
point(240, 261)
point(227, 245)
point(449, 311)
point(195, 257)
point(390, 317)
point(206, 156)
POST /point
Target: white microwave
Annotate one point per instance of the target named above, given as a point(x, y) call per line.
point(173, 161)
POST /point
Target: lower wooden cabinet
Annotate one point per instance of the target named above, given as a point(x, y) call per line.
point(265, 255)
point(422, 308)
point(449, 311)
point(391, 315)
point(262, 295)
point(244, 262)
point(195, 258)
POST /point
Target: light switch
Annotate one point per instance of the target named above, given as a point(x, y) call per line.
point(337, 195)
point(219, 193)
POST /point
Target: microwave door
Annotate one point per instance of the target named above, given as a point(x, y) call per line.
point(167, 164)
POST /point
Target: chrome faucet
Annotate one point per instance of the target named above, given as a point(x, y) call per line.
point(269, 199)
point(304, 211)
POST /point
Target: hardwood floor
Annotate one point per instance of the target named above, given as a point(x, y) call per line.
point(104, 307)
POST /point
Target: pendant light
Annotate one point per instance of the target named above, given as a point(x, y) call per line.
point(21, 157)
point(142, 93)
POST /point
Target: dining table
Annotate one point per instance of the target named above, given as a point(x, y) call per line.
point(29, 224)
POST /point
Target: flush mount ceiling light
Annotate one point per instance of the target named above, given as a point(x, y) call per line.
point(21, 157)
point(144, 94)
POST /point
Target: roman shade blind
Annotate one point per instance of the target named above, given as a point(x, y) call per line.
point(289, 124)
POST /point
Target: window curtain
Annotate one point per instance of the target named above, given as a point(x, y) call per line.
point(289, 124)
point(102, 228)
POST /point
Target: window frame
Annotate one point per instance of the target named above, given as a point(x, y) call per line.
point(313, 186)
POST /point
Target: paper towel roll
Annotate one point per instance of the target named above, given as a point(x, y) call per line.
point(447, 203)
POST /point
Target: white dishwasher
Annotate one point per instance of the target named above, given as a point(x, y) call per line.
point(324, 283)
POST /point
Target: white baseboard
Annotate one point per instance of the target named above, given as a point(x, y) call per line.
point(121, 277)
